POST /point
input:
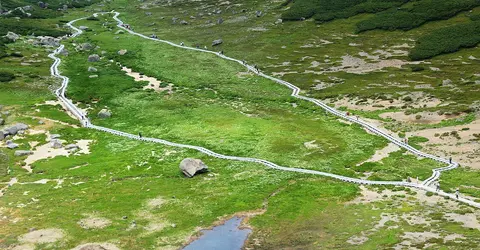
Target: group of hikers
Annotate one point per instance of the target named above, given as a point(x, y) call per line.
point(126, 26)
point(437, 189)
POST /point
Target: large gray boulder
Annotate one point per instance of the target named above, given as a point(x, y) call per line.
point(122, 52)
point(217, 42)
point(49, 41)
point(13, 130)
point(93, 58)
point(2, 135)
point(190, 167)
point(92, 69)
point(23, 152)
point(12, 36)
point(104, 113)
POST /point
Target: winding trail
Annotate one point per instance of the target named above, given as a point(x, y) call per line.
point(60, 93)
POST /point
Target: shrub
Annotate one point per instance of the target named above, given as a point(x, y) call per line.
point(6, 76)
point(446, 40)
point(418, 13)
point(417, 68)
point(429, 193)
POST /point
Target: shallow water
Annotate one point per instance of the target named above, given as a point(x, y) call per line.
point(226, 236)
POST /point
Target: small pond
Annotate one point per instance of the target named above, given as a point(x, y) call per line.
point(226, 236)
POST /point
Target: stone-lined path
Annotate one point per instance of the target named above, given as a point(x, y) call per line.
point(60, 93)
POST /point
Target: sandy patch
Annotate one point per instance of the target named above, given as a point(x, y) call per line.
point(357, 240)
point(94, 222)
point(244, 74)
point(46, 151)
point(464, 148)
point(24, 247)
point(419, 100)
point(467, 220)
point(42, 236)
point(96, 246)
point(382, 153)
point(153, 83)
point(418, 237)
point(424, 117)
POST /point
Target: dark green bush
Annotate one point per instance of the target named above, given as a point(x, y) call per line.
point(418, 13)
point(326, 10)
point(6, 76)
point(446, 40)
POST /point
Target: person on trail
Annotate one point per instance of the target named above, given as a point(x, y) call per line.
point(182, 44)
point(244, 63)
point(457, 193)
point(450, 160)
point(438, 186)
point(256, 68)
point(139, 134)
point(221, 52)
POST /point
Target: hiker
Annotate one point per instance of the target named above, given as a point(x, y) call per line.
point(139, 134)
point(450, 160)
point(182, 44)
point(256, 68)
point(438, 186)
point(221, 52)
point(244, 63)
point(348, 113)
point(457, 193)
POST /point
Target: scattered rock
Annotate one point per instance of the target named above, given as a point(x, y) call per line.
point(122, 52)
point(447, 82)
point(83, 27)
point(148, 13)
point(183, 22)
point(258, 13)
point(104, 113)
point(92, 76)
point(12, 36)
point(174, 20)
point(190, 167)
point(220, 21)
point(279, 21)
point(92, 69)
point(23, 152)
point(2, 135)
point(93, 58)
point(42, 5)
point(41, 122)
point(217, 42)
point(48, 41)
point(27, 8)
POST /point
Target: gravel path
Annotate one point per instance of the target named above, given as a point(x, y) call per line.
point(60, 93)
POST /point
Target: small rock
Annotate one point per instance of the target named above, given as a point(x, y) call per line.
point(148, 13)
point(220, 21)
point(447, 82)
point(83, 27)
point(93, 76)
point(217, 42)
point(54, 136)
point(42, 5)
point(23, 152)
point(174, 20)
point(190, 167)
point(104, 113)
point(41, 122)
point(27, 8)
point(11, 145)
point(122, 52)
point(72, 147)
point(2, 121)
point(258, 13)
point(2, 135)
point(56, 144)
point(124, 217)
point(92, 69)
point(174, 225)
point(93, 58)
point(279, 21)
point(87, 46)
point(183, 22)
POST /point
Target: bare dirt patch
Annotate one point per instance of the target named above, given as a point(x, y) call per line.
point(419, 118)
point(153, 83)
point(92, 222)
point(96, 246)
point(464, 148)
point(468, 220)
point(42, 236)
point(155, 203)
point(382, 153)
